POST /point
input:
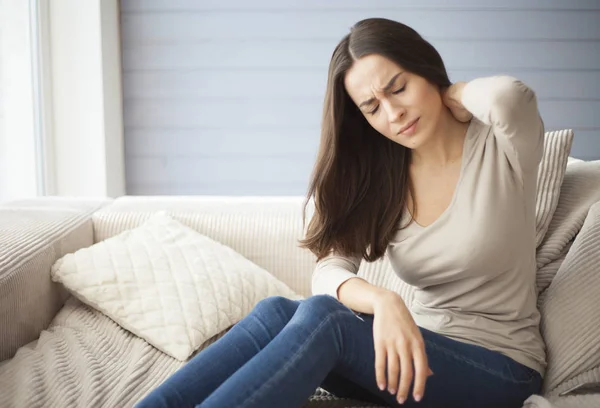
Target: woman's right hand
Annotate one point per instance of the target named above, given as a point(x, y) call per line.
point(398, 345)
point(452, 98)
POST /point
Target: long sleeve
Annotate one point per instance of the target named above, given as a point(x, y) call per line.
point(332, 271)
point(510, 108)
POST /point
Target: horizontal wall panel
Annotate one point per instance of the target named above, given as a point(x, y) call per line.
point(341, 5)
point(266, 143)
point(235, 169)
point(217, 113)
point(144, 28)
point(223, 142)
point(285, 83)
point(268, 54)
point(562, 114)
point(586, 143)
point(225, 83)
point(219, 188)
point(298, 113)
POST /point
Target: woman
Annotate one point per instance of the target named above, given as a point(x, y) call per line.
point(440, 176)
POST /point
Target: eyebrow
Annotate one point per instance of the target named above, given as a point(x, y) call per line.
point(385, 89)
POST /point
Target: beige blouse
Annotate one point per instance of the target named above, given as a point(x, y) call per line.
point(474, 267)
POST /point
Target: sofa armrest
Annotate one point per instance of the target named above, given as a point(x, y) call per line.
point(33, 235)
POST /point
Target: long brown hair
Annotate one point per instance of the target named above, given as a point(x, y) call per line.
point(360, 181)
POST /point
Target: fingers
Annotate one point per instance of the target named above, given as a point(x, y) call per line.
point(463, 115)
point(393, 369)
point(406, 373)
point(380, 364)
point(394, 361)
point(421, 373)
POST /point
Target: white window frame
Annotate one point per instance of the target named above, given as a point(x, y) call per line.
point(18, 165)
point(76, 99)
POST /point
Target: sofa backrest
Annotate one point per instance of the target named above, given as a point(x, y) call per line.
point(34, 234)
point(266, 230)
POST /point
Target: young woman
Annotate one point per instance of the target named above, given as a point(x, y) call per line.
point(442, 178)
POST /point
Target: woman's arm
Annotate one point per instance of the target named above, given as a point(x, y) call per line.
point(332, 271)
point(360, 295)
point(510, 108)
point(398, 342)
point(336, 276)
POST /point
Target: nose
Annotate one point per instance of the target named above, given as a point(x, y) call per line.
point(393, 111)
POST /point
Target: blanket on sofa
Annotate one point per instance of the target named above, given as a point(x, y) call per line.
point(84, 359)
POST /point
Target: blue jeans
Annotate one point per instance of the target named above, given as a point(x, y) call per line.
point(283, 350)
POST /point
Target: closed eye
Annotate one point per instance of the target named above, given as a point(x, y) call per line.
point(399, 90)
point(396, 92)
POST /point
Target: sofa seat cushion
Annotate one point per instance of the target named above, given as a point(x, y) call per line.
point(84, 359)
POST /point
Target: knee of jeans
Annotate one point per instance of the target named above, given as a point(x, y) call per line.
point(323, 305)
point(275, 303)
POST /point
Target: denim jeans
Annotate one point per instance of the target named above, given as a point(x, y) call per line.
point(283, 350)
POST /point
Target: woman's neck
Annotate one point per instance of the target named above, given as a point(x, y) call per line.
point(446, 144)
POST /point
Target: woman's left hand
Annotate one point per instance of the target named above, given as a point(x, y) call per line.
point(452, 97)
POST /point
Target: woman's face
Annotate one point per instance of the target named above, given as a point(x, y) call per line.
point(402, 106)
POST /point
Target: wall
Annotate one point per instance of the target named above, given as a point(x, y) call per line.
point(225, 97)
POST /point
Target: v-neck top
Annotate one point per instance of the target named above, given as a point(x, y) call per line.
point(474, 267)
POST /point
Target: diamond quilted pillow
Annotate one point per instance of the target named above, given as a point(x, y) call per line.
point(167, 283)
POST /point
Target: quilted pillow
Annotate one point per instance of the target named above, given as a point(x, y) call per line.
point(551, 173)
point(167, 284)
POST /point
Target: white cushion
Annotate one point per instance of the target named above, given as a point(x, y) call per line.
point(167, 284)
point(551, 173)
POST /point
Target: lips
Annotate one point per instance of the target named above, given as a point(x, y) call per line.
point(409, 126)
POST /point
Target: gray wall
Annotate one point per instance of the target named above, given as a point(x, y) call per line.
point(225, 97)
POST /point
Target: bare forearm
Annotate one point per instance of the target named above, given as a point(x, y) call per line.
point(361, 296)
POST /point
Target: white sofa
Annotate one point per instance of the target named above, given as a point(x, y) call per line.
point(57, 352)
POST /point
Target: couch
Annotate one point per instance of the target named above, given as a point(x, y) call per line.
point(56, 351)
